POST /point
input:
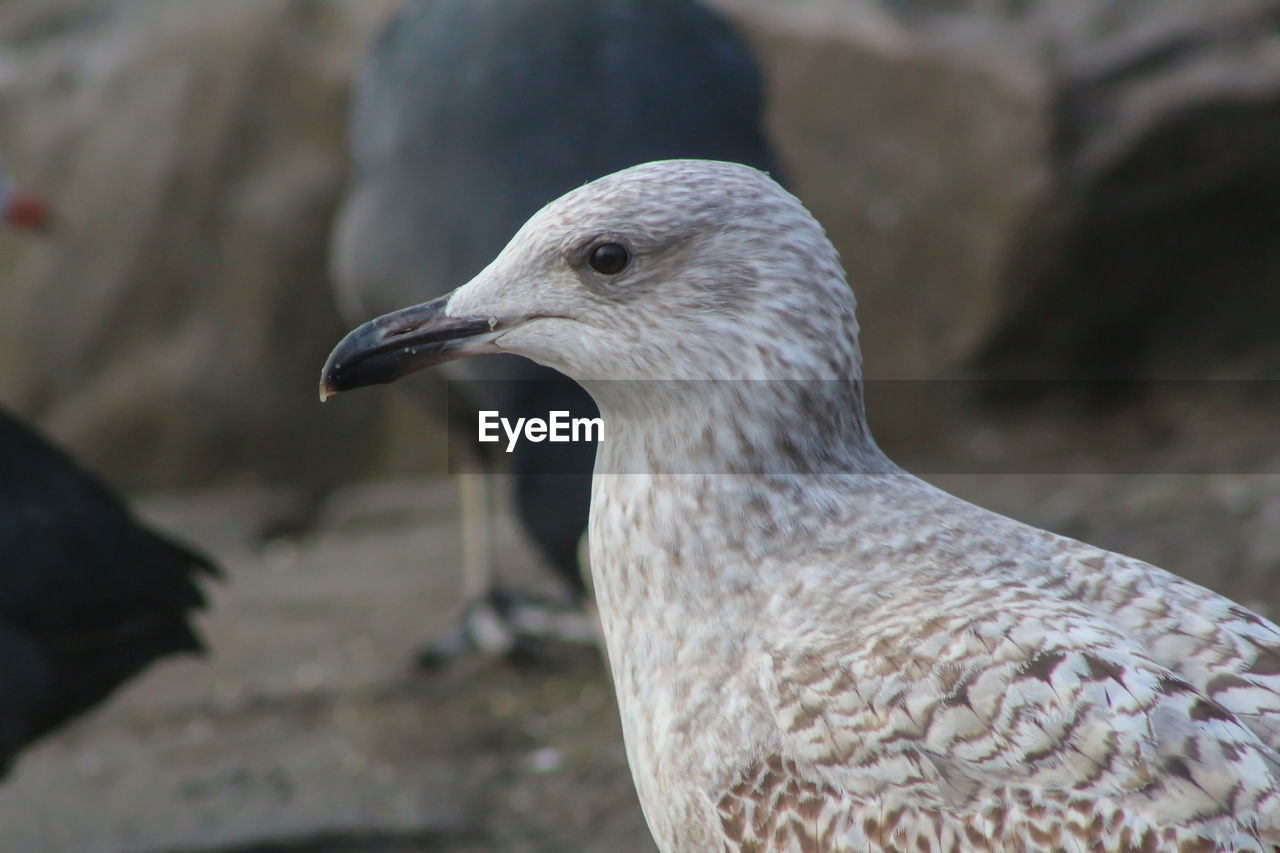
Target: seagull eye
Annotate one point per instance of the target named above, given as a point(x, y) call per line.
point(609, 258)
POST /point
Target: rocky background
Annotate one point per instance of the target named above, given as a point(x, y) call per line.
point(1024, 192)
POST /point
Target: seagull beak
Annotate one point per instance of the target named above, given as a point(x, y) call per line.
point(399, 343)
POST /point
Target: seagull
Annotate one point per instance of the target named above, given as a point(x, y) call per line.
point(467, 116)
point(814, 650)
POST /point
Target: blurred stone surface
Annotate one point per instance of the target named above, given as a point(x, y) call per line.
point(171, 329)
point(1020, 188)
point(1035, 188)
point(918, 161)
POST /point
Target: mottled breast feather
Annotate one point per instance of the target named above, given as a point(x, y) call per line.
point(1104, 705)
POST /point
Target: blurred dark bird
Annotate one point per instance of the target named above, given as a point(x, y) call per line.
point(468, 116)
point(88, 596)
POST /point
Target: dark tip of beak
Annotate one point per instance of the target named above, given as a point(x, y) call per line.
point(398, 344)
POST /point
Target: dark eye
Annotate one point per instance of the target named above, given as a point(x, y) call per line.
point(609, 258)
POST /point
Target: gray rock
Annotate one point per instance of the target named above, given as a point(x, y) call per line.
point(171, 329)
point(1030, 188)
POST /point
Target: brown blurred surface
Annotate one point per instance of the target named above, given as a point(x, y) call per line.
point(307, 727)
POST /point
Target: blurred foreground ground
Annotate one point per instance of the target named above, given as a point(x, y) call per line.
point(308, 730)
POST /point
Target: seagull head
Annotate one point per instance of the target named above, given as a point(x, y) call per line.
point(677, 269)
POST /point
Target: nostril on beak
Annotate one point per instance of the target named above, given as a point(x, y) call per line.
point(401, 331)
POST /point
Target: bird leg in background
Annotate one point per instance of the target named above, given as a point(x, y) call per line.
point(475, 504)
point(479, 626)
point(496, 621)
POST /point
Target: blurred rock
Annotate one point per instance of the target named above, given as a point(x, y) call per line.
point(1019, 188)
point(1038, 188)
point(172, 329)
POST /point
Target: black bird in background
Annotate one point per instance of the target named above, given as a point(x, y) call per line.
point(88, 596)
point(468, 116)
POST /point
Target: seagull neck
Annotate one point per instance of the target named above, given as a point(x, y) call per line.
point(743, 427)
point(686, 559)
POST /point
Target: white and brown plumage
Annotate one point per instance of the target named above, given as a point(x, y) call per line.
point(814, 650)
